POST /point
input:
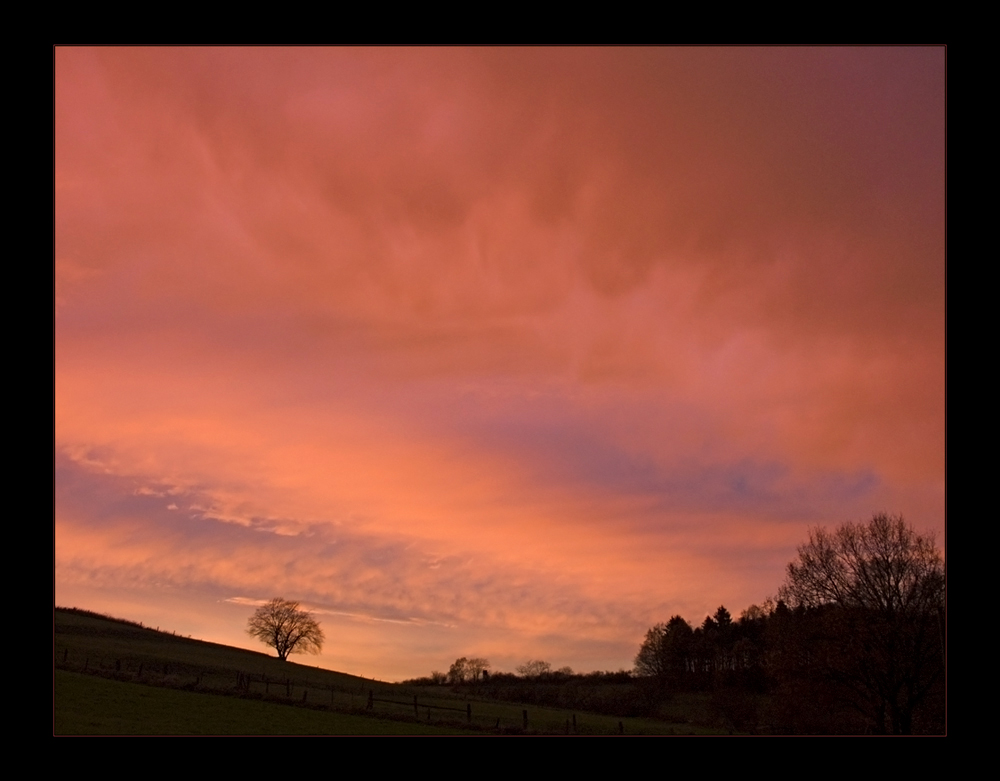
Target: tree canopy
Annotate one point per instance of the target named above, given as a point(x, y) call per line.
point(875, 592)
point(882, 565)
point(665, 649)
point(465, 669)
point(534, 668)
point(287, 629)
point(855, 642)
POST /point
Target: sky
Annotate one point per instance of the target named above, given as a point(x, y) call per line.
point(508, 353)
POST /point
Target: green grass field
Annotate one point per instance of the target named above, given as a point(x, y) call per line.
point(91, 705)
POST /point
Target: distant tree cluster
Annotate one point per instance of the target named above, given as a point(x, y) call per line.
point(471, 671)
point(467, 671)
point(535, 668)
point(674, 652)
point(538, 683)
point(854, 643)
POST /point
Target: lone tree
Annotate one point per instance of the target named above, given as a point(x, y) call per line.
point(875, 592)
point(288, 630)
point(882, 565)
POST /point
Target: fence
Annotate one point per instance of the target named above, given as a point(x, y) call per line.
point(370, 697)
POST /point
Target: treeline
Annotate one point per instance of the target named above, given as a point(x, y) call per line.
point(855, 642)
point(677, 657)
point(806, 670)
point(536, 683)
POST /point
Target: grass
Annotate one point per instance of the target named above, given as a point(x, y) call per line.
point(118, 677)
point(91, 705)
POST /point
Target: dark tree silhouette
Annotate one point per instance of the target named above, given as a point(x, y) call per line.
point(536, 668)
point(664, 652)
point(723, 619)
point(871, 598)
point(883, 565)
point(468, 670)
point(478, 668)
point(288, 630)
point(459, 671)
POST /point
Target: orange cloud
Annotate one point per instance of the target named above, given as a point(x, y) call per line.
point(534, 345)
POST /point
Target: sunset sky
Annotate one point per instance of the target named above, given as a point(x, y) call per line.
point(507, 353)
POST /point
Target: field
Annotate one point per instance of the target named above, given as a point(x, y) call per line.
point(91, 705)
point(120, 678)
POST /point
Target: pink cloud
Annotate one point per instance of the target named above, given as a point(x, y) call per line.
point(560, 321)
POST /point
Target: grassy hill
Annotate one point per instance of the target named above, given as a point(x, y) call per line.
point(118, 677)
point(92, 705)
